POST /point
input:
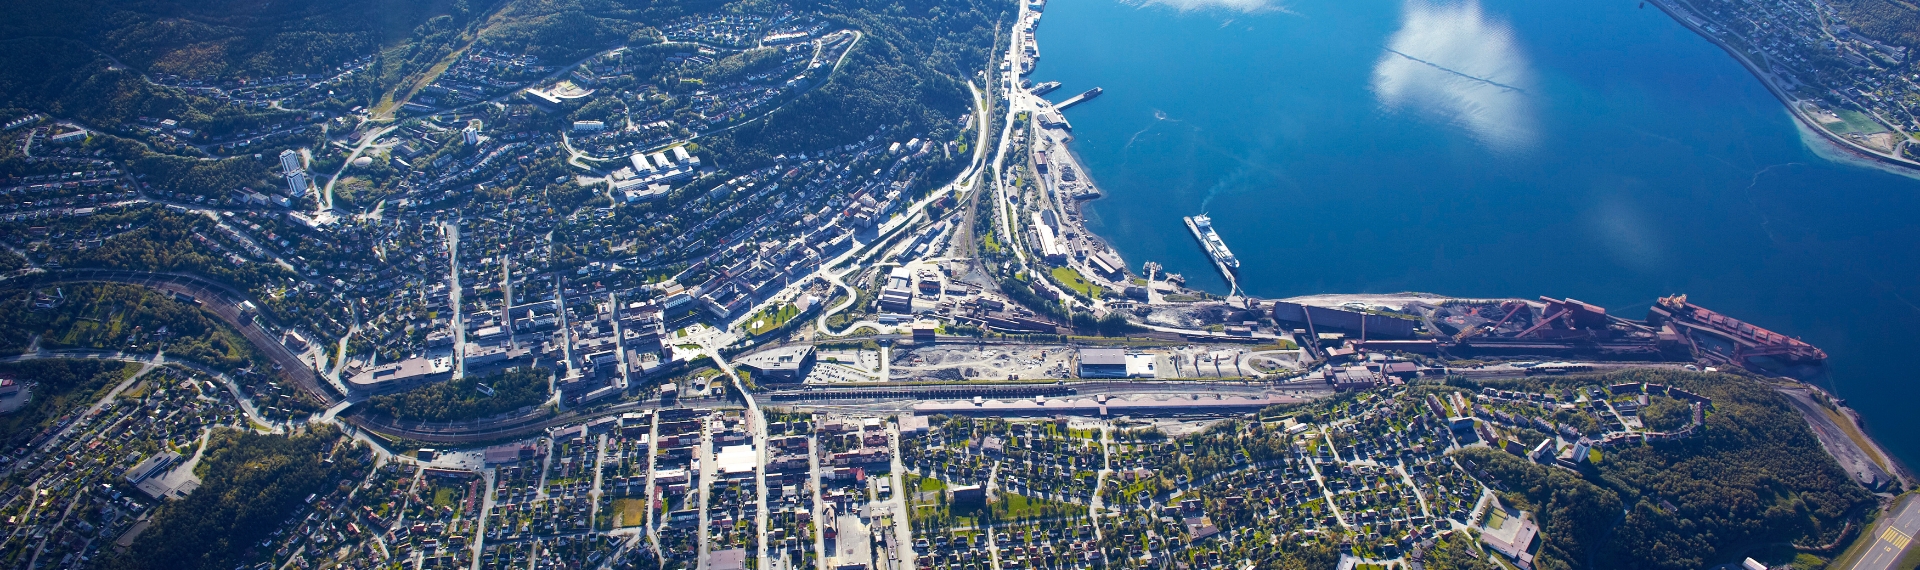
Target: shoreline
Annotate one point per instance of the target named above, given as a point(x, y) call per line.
point(1900, 470)
point(1896, 467)
point(1681, 15)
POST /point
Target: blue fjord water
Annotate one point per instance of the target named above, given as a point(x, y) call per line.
point(1594, 149)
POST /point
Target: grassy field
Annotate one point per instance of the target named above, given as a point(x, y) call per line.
point(1004, 507)
point(929, 484)
point(1282, 344)
point(1854, 122)
point(1070, 278)
point(771, 318)
point(1011, 507)
point(1496, 518)
point(629, 512)
point(1910, 560)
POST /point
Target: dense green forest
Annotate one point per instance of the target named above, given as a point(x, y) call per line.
point(10, 261)
point(70, 79)
point(110, 316)
point(226, 38)
point(1755, 475)
point(58, 387)
point(1306, 555)
point(251, 483)
point(202, 177)
point(457, 400)
point(96, 60)
point(151, 238)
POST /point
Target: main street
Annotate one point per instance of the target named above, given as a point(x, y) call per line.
point(758, 424)
point(453, 296)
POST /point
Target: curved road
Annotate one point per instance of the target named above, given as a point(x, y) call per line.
point(223, 300)
point(155, 361)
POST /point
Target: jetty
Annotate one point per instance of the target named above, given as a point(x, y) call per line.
point(1077, 99)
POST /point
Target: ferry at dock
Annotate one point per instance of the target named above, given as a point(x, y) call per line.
point(1202, 228)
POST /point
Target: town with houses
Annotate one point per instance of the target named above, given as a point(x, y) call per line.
point(905, 351)
point(1861, 92)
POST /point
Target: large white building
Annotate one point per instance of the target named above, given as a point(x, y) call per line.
point(297, 183)
point(1050, 247)
point(289, 162)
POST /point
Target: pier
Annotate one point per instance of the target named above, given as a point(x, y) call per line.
point(1077, 99)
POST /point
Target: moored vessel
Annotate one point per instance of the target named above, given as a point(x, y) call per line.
point(1202, 228)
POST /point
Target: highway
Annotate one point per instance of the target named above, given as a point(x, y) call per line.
point(1892, 537)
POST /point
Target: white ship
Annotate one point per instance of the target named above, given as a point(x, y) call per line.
point(1202, 228)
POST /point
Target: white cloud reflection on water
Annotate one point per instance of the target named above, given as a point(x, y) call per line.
point(1451, 62)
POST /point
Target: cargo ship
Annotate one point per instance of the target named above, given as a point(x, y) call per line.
point(1202, 228)
point(1725, 339)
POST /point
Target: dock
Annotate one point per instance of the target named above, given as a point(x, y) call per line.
point(1077, 99)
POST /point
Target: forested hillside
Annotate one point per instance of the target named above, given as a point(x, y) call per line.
point(226, 38)
point(909, 72)
point(252, 483)
point(1895, 22)
point(1755, 475)
point(117, 317)
point(106, 62)
point(58, 386)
